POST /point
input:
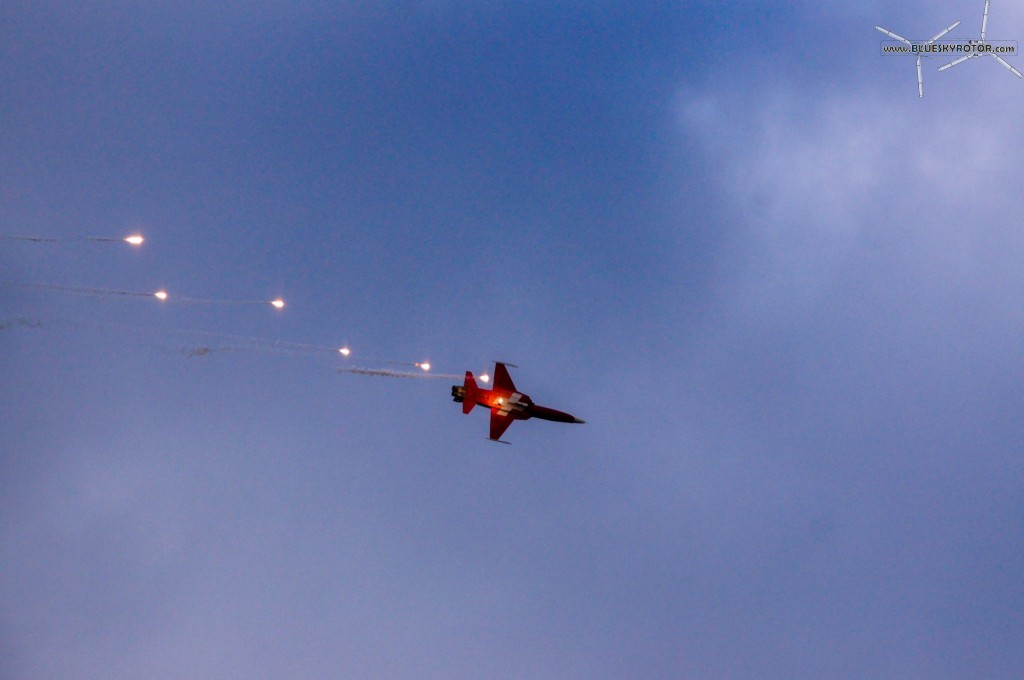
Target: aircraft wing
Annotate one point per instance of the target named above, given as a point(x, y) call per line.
point(502, 380)
point(500, 420)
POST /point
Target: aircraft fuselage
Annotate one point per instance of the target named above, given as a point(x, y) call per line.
point(505, 402)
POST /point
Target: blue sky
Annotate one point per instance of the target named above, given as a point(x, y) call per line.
point(783, 291)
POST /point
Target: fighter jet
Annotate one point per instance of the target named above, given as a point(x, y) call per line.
point(505, 401)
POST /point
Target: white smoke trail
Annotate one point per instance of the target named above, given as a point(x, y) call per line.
point(20, 322)
point(102, 292)
point(161, 295)
point(388, 373)
point(134, 239)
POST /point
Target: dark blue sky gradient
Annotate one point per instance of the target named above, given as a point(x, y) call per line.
point(784, 293)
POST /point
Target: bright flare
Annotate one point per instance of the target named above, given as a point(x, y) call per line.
point(345, 351)
point(278, 303)
point(485, 378)
point(160, 295)
point(135, 240)
point(425, 366)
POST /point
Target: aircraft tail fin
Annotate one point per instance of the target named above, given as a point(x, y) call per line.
point(469, 393)
point(502, 380)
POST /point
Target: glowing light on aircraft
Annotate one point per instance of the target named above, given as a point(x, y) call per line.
point(160, 295)
point(278, 303)
point(135, 240)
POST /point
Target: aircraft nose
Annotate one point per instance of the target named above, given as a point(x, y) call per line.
point(578, 420)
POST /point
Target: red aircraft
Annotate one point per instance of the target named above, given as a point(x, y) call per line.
point(505, 401)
